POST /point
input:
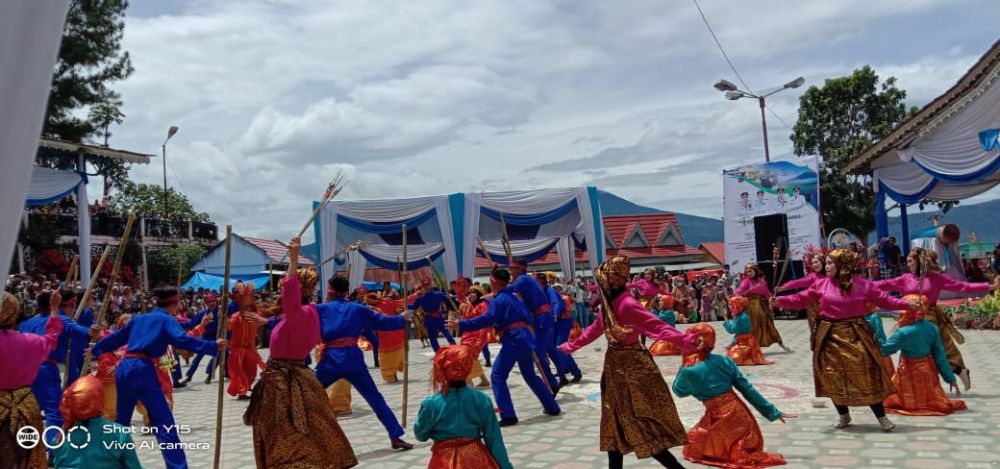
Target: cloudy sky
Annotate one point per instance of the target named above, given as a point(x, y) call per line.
point(438, 96)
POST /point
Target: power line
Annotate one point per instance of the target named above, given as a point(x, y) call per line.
point(717, 43)
point(776, 116)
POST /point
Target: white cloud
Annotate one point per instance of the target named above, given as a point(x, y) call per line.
point(273, 97)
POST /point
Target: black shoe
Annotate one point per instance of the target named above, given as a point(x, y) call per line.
point(563, 382)
point(180, 384)
point(576, 378)
point(243, 397)
point(400, 444)
point(552, 412)
point(185, 380)
point(508, 422)
point(488, 364)
point(208, 379)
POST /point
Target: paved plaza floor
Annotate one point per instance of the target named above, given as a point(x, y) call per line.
point(968, 439)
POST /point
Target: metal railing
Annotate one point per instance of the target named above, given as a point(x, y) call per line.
point(113, 226)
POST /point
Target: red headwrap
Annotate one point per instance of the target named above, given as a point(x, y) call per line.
point(910, 316)
point(82, 400)
point(667, 301)
point(737, 304)
point(451, 363)
point(707, 335)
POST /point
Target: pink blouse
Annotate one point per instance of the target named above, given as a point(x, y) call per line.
point(630, 314)
point(834, 304)
point(645, 287)
point(298, 332)
point(934, 284)
point(755, 286)
point(803, 282)
point(21, 354)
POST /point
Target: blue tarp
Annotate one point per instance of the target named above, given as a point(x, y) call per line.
point(214, 282)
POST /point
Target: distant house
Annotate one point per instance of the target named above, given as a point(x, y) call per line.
point(247, 256)
point(649, 240)
point(714, 252)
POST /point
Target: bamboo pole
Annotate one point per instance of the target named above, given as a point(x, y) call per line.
point(332, 189)
point(72, 268)
point(79, 309)
point(111, 280)
point(221, 360)
point(505, 240)
point(406, 343)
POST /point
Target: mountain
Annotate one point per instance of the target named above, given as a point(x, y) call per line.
point(979, 218)
point(696, 229)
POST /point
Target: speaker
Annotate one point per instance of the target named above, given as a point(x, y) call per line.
point(770, 231)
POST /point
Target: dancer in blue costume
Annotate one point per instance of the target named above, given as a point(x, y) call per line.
point(537, 301)
point(433, 302)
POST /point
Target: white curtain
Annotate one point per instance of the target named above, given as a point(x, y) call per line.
point(593, 224)
point(356, 264)
point(443, 209)
point(393, 253)
point(328, 240)
point(385, 210)
point(473, 204)
point(567, 256)
point(30, 33)
point(48, 183)
point(520, 248)
point(528, 202)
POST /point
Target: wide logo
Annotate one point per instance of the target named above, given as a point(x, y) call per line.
point(28, 437)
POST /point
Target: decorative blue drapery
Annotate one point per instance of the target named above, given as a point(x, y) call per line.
point(533, 219)
point(386, 228)
point(392, 265)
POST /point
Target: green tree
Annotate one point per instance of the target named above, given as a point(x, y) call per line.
point(166, 263)
point(837, 122)
point(147, 200)
point(90, 60)
point(103, 115)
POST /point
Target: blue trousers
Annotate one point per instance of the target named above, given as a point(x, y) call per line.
point(435, 325)
point(582, 314)
point(328, 372)
point(175, 372)
point(136, 380)
point(566, 362)
point(75, 360)
point(545, 348)
point(196, 361)
point(47, 389)
point(486, 352)
point(523, 356)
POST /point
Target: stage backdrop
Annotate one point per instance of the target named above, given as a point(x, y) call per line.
point(753, 190)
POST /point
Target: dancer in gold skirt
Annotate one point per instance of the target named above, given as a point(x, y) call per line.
point(637, 412)
point(754, 288)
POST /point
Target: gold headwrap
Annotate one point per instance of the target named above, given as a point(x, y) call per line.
point(10, 310)
point(82, 400)
point(611, 275)
point(308, 278)
point(845, 260)
point(756, 268)
point(926, 259)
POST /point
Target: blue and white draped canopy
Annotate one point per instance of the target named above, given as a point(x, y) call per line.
point(444, 228)
point(954, 156)
point(50, 185)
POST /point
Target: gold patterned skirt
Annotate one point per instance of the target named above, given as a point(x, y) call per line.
point(637, 411)
point(728, 436)
point(746, 352)
point(847, 365)
point(460, 453)
point(18, 408)
point(761, 322)
point(950, 337)
point(812, 312)
point(293, 425)
point(920, 390)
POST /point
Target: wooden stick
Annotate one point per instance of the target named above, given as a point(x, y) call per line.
point(505, 240)
point(111, 280)
point(72, 267)
point(332, 189)
point(486, 253)
point(221, 360)
point(406, 343)
point(79, 309)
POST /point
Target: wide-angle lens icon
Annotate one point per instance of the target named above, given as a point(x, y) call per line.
point(28, 437)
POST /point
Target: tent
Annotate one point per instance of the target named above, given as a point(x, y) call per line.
point(214, 282)
point(443, 229)
point(947, 151)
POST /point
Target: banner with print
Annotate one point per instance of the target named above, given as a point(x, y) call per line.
point(753, 190)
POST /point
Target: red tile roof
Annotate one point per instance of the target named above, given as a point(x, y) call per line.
point(716, 250)
point(276, 250)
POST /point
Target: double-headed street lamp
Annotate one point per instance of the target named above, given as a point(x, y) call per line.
point(170, 133)
point(733, 93)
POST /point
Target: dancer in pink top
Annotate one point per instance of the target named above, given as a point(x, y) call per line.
point(20, 357)
point(754, 288)
point(925, 278)
point(815, 260)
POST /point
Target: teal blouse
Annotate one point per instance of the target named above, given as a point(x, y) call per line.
point(716, 375)
point(919, 340)
point(463, 413)
point(875, 321)
point(106, 449)
point(668, 316)
point(738, 325)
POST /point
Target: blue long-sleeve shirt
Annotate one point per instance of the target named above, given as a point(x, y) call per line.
point(340, 318)
point(715, 375)
point(504, 310)
point(71, 330)
point(918, 340)
point(531, 292)
point(212, 328)
point(739, 325)
point(557, 302)
point(150, 334)
point(432, 302)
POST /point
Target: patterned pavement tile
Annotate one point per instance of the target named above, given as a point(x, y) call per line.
point(969, 439)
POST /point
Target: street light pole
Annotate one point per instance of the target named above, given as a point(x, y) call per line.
point(733, 93)
point(170, 133)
